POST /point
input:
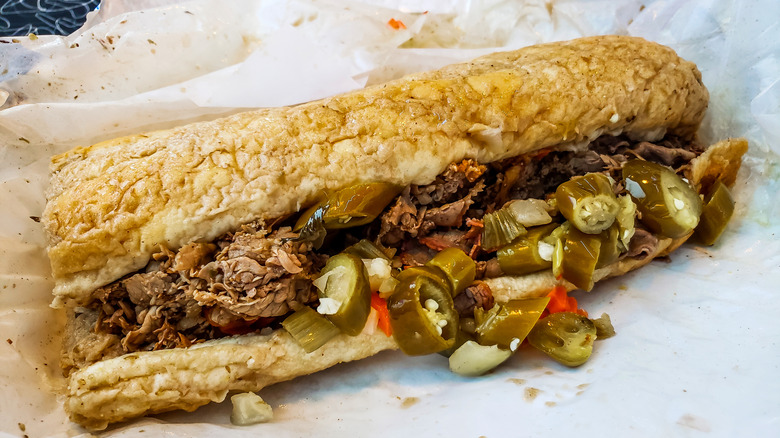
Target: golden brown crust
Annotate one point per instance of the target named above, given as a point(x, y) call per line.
point(112, 204)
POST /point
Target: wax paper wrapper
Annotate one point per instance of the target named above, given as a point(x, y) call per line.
point(696, 349)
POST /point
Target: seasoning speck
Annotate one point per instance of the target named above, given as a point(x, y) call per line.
point(408, 402)
point(516, 381)
point(22, 427)
point(35, 218)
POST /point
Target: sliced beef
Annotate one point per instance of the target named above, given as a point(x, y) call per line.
point(672, 157)
point(254, 274)
point(476, 295)
point(642, 244)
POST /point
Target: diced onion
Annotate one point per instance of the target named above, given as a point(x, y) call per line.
point(249, 408)
point(545, 251)
point(371, 322)
point(328, 306)
point(530, 212)
point(379, 270)
point(472, 359)
point(387, 287)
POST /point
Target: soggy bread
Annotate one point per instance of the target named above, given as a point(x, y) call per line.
point(111, 205)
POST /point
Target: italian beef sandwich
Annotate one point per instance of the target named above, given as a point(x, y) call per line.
point(446, 212)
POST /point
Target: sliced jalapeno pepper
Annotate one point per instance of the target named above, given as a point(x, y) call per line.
point(355, 205)
point(422, 312)
point(459, 268)
point(365, 249)
point(668, 205)
point(608, 251)
point(358, 204)
point(625, 221)
point(554, 243)
point(718, 209)
point(509, 323)
point(311, 226)
point(347, 285)
point(565, 336)
point(588, 202)
point(522, 256)
point(581, 253)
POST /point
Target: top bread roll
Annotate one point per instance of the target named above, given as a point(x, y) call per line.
point(112, 204)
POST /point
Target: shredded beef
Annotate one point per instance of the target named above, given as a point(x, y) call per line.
point(476, 295)
point(143, 320)
point(642, 244)
point(255, 274)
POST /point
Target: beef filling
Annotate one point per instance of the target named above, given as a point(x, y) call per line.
point(252, 278)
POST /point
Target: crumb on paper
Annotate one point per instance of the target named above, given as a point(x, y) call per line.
point(396, 24)
point(408, 402)
point(516, 381)
point(531, 393)
point(249, 408)
point(694, 422)
point(550, 404)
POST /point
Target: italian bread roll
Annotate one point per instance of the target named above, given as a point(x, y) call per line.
point(151, 236)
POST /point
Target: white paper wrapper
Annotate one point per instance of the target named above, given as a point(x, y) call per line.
point(695, 351)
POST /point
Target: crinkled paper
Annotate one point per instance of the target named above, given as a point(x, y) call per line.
point(696, 351)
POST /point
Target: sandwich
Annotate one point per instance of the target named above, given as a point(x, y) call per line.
point(424, 214)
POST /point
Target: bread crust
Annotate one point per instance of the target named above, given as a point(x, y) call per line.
point(112, 204)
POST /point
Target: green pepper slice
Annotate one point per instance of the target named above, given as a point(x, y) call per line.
point(522, 256)
point(500, 228)
point(347, 284)
point(565, 336)
point(355, 205)
point(588, 202)
point(365, 249)
point(717, 211)
point(581, 253)
point(422, 312)
point(609, 251)
point(509, 323)
point(625, 221)
point(668, 205)
point(310, 329)
point(458, 267)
